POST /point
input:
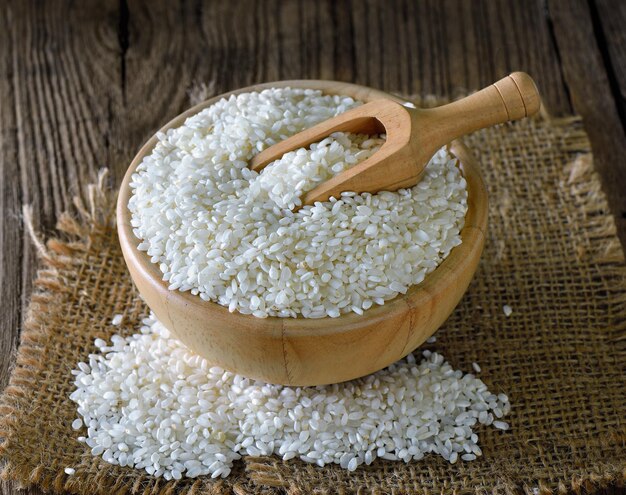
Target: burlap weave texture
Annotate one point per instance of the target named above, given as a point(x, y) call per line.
point(551, 254)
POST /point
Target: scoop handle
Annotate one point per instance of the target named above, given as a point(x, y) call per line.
point(511, 98)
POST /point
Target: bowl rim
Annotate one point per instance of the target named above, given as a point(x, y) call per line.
point(475, 226)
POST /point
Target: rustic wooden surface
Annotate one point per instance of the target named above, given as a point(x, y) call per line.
point(83, 84)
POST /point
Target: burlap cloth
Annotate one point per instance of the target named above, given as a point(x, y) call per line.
point(552, 255)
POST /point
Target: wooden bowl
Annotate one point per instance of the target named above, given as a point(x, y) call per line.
point(301, 351)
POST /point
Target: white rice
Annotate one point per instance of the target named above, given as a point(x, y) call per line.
point(148, 403)
point(507, 310)
point(229, 235)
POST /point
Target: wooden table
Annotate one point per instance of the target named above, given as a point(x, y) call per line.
point(84, 83)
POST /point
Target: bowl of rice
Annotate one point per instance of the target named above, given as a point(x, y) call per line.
point(231, 265)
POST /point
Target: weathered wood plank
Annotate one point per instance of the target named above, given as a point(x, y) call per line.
point(162, 53)
point(54, 126)
point(609, 18)
point(9, 488)
point(591, 95)
point(13, 250)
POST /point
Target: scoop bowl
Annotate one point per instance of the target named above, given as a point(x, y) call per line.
point(301, 351)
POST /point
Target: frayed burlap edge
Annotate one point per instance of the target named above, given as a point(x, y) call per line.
point(94, 213)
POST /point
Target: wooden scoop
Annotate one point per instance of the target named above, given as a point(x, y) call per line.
point(413, 135)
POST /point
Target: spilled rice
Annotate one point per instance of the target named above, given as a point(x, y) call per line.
point(145, 401)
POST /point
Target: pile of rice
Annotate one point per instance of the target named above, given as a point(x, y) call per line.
point(149, 403)
point(231, 235)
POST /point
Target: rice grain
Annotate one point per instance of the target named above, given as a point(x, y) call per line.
point(148, 403)
point(230, 235)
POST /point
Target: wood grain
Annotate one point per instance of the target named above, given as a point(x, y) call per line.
point(13, 250)
point(590, 90)
point(83, 84)
point(609, 18)
point(54, 127)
